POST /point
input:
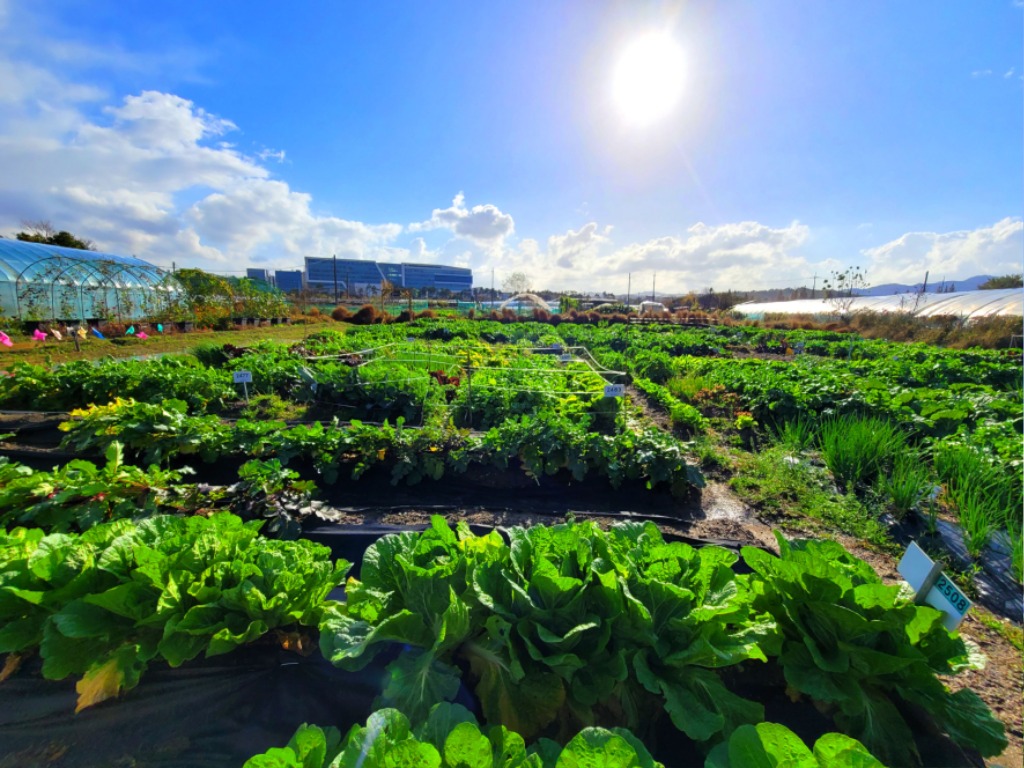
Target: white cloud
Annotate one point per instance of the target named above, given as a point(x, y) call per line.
point(265, 219)
point(576, 249)
point(1009, 73)
point(737, 255)
point(981, 73)
point(156, 175)
point(483, 224)
point(270, 154)
point(152, 176)
point(151, 173)
point(994, 250)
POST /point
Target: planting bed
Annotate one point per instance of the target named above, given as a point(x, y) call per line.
point(543, 627)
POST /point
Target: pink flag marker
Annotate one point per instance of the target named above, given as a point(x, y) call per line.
point(38, 335)
point(6, 340)
point(142, 335)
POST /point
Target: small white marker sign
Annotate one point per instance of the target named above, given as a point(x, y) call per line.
point(565, 358)
point(933, 587)
point(243, 377)
point(614, 390)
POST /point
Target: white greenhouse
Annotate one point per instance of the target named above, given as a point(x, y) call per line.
point(968, 305)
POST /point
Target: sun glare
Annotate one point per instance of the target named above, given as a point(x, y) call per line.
point(648, 79)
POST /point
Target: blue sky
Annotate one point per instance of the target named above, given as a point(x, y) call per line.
point(809, 136)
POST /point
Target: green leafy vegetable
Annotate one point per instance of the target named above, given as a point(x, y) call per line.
point(769, 745)
point(566, 624)
point(860, 647)
point(449, 738)
point(105, 603)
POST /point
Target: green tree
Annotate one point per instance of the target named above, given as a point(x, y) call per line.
point(203, 288)
point(43, 232)
point(1006, 281)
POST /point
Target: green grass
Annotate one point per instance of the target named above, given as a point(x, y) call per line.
point(907, 484)
point(797, 434)
point(1006, 629)
point(973, 479)
point(856, 449)
point(179, 343)
point(781, 488)
point(1013, 533)
point(976, 520)
point(708, 454)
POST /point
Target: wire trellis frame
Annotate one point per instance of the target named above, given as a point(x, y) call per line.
point(385, 354)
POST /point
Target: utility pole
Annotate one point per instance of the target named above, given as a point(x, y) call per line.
point(924, 288)
point(629, 288)
point(654, 282)
point(814, 284)
point(335, 257)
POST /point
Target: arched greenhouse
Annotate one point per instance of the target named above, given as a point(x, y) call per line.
point(970, 305)
point(50, 282)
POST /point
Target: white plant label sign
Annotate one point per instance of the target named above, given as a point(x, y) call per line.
point(614, 390)
point(243, 377)
point(933, 587)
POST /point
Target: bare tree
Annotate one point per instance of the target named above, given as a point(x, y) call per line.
point(517, 282)
point(842, 287)
point(43, 231)
point(386, 289)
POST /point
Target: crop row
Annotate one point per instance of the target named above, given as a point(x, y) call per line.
point(935, 395)
point(542, 443)
point(451, 738)
point(558, 628)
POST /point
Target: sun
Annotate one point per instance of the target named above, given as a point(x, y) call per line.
point(648, 79)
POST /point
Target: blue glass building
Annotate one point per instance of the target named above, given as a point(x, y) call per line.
point(357, 275)
point(288, 280)
point(254, 273)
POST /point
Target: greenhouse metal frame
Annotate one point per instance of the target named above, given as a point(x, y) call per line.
point(45, 282)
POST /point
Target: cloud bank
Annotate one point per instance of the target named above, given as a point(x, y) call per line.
point(156, 175)
point(994, 250)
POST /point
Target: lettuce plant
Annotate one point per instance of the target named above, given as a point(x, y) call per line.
point(104, 604)
point(449, 738)
point(567, 624)
point(771, 744)
point(863, 649)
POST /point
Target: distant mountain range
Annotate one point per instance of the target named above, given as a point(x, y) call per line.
point(788, 294)
point(888, 289)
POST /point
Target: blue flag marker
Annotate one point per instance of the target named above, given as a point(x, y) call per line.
point(131, 330)
point(98, 334)
point(160, 327)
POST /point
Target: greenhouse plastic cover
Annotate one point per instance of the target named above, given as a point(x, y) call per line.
point(966, 304)
point(16, 257)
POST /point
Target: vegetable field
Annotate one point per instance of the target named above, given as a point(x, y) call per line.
point(158, 519)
